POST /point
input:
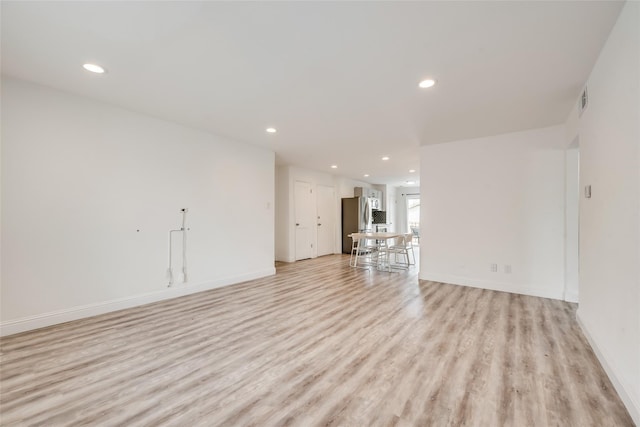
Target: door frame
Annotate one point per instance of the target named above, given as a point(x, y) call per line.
point(332, 215)
point(311, 220)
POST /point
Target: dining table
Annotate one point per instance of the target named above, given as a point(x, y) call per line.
point(379, 247)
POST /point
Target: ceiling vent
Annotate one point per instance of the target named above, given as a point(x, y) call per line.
point(584, 100)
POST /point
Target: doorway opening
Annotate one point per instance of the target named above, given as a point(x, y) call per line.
point(413, 216)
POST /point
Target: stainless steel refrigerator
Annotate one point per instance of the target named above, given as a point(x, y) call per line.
point(356, 218)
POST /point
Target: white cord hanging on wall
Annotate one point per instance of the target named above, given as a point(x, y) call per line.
point(182, 230)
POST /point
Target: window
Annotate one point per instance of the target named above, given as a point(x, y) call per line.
point(413, 212)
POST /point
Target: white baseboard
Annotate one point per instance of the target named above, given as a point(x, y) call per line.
point(494, 286)
point(571, 297)
point(10, 327)
point(632, 406)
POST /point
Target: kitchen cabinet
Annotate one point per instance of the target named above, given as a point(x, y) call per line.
point(367, 192)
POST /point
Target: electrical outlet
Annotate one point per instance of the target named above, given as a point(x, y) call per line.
point(493, 267)
point(507, 268)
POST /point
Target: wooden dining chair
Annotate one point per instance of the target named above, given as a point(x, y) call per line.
point(408, 241)
point(365, 252)
point(416, 233)
point(402, 247)
point(399, 248)
point(358, 249)
point(355, 248)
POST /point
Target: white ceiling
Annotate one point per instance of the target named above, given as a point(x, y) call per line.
point(337, 79)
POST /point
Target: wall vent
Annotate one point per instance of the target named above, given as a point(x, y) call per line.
point(584, 100)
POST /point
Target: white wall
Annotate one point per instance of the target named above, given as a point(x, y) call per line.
point(609, 131)
point(283, 212)
point(345, 186)
point(572, 203)
point(495, 200)
point(79, 178)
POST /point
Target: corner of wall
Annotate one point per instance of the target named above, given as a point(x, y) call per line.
point(282, 213)
point(571, 125)
point(605, 360)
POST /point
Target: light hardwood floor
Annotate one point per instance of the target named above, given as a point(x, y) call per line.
point(320, 344)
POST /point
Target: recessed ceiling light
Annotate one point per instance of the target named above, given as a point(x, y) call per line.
point(427, 83)
point(366, 175)
point(334, 166)
point(94, 68)
point(411, 182)
point(412, 170)
point(271, 130)
point(385, 158)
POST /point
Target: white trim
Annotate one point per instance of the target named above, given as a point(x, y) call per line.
point(537, 291)
point(10, 327)
point(571, 297)
point(632, 406)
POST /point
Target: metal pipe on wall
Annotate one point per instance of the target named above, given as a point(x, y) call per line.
point(183, 230)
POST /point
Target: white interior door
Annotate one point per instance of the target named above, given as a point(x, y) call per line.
point(325, 199)
point(304, 217)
